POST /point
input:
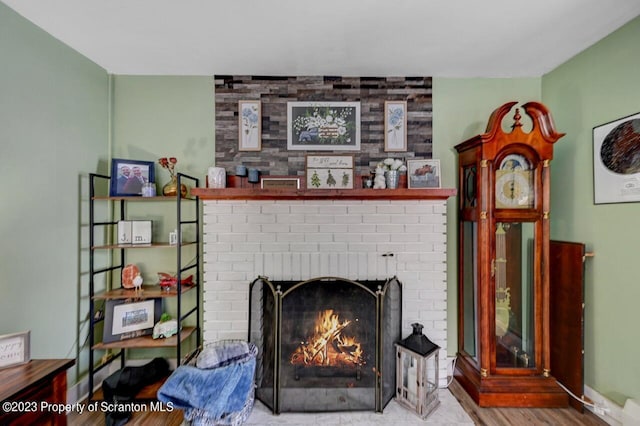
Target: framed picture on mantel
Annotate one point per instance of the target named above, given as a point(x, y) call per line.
point(249, 126)
point(395, 126)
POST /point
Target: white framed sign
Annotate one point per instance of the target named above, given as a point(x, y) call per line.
point(616, 161)
point(329, 171)
point(15, 349)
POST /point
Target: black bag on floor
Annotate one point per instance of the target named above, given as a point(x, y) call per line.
point(123, 385)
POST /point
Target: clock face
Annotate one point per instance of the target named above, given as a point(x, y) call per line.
point(514, 183)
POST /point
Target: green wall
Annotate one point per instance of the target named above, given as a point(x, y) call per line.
point(597, 86)
point(53, 131)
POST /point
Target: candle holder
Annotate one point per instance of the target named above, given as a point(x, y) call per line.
point(241, 172)
point(254, 176)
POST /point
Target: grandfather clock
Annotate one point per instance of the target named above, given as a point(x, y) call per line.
point(503, 263)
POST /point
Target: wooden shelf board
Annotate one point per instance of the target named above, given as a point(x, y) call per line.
point(146, 341)
point(147, 292)
point(140, 246)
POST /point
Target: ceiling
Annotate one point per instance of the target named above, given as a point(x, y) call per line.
point(441, 38)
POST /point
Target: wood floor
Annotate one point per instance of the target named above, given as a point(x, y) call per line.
point(480, 416)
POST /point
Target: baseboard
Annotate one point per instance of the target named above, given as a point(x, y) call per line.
point(612, 411)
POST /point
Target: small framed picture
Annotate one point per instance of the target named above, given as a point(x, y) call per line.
point(125, 320)
point(423, 173)
point(128, 177)
point(329, 171)
point(616, 161)
point(249, 126)
point(15, 349)
point(280, 183)
point(395, 126)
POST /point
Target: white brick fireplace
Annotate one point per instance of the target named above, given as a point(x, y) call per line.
point(345, 238)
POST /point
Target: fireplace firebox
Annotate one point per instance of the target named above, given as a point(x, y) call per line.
point(325, 344)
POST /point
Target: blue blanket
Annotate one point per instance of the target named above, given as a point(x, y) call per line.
point(211, 394)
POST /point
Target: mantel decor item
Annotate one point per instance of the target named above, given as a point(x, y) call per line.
point(423, 173)
point(128, 177)
point(129, 318)
point(329, 171)
point(171, 188)
point(323, 126)
point(15, 349)
point(388, 173)
point(395, 126)
point(616, 161)
point(249, 126)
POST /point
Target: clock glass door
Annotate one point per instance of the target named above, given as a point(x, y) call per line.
point(513, 269)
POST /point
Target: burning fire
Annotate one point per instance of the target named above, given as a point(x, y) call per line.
point(328, 345)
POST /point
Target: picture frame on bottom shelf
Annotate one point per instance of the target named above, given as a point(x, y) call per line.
point(127, 320)
point(423, 174)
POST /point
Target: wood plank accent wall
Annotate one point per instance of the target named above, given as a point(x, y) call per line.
point(275, 92)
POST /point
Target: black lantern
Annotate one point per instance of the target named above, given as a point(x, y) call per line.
point(417, 373)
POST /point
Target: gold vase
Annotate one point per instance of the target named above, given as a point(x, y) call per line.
point(171, 188)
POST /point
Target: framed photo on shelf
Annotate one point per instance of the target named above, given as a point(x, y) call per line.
point(280, 183)
point(616, 161)
point(395, 126)
point(128, 176)
point(323, 126)
point(125, 320)
point(249, 126)
point(329, 171)
point(15, 349)
point(423, 174)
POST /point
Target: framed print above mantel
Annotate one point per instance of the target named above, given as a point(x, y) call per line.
point(249, 126)
point(395, 126)
point(323, 126)
point(616, 161)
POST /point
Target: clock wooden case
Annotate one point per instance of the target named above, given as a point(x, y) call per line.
point(503, 256)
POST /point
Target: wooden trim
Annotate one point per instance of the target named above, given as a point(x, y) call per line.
point(328, 194)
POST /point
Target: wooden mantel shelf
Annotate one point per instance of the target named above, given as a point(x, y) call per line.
point(323, 194)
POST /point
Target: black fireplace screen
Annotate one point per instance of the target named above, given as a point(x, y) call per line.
point(326, 344)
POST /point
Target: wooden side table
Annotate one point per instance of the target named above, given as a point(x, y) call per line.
point(40, 380)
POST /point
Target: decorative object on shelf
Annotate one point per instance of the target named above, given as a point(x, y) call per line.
point(125, 319)
point(129, 176)
point(164, 328)
point(166, 281)
point(395, 126)
point(389, 168)
point(216, 177)
point(149, 189)
point(171, 188)
point(134, 232)
point(15, 349)
point(323, 126)
point(417, 373)
point(129, 273)
point(249, 126)
point(423, 173)
point(280, 183)
point(241, 170)
point(329, 171)
point(254, 176)
point(616, 161)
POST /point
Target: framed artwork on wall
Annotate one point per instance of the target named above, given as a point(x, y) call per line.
point(329, 171)
point(128, 177)
point(423, 174)
point(323, 126)
point(395, 126)
point(249, 126)
point(616, 161)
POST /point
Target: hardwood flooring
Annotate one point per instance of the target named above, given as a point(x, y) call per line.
point(480, 416)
